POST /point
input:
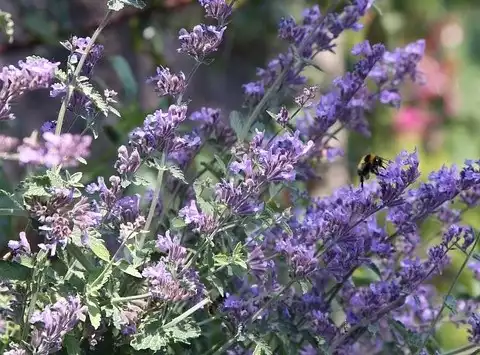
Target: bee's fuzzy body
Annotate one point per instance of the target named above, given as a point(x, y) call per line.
point(370, 164)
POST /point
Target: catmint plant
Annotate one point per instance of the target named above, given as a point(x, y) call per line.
point(185, 263)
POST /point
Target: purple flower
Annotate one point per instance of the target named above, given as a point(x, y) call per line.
point(48, 126)
point(201, 222)
point(202, 41)
point(171, 246)
point(217, 9)
point(241, 199)
point(20, 248)
point(127, 163)
point(54, 322)
point(184, 148)
point(158, 130)
point(167, 83)
point(127, 209)
point(474, 331)
point(211, 123)
point(32, 74)
point(65, 149)
point(15, 349)
point(283, 116)
point(78, 47)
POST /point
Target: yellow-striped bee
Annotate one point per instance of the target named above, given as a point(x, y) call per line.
point(370, 163)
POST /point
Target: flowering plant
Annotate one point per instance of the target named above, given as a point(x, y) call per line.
point(217, 265)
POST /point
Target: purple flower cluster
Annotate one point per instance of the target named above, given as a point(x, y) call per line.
point(170, 279)
point(66, 150)
point(32, 74)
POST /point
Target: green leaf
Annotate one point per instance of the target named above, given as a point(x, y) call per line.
point(304, 285)
point(236, 123)
point(128, 269)
point(262, 348)
point(99, 249)
point(215, 281)
point(221, 163)
point(176, 173)
point(97, 279)
point(75, 178)
point(7, 25)
point(182, 332)
point(72, 345)
point(12, 198)
point(26, 261)
point(205, 206)
point(221, 260)
point(55, 178)
point(125, 74)
point(10, 270)
point(177, 223)
point(94, 313)
point(152, 337)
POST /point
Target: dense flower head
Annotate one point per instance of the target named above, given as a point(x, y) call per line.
point(78, 46)
point(108, 196)
point(474, 331)
point(202, 41)
point(184, 148)
point(127, 163)
point(32, 74)
point(158, 130)
point(217, 9)
point(419, 309)
point(240, 198)
point(65, 149)
point(54, 322)
point(167, 83)
point(200, 221)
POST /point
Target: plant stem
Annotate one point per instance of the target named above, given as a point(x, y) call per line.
point(156, 196)
point(437, 318)
point(461, 350)
point(131, 298)
point(76, 73)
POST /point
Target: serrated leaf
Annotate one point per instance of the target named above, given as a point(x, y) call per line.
point(221, 260)
point(12, 198)
point(221, 163)
point(215, 281)
point(129, 269)
point(72, 345)
point(97, 279)
point(177, 173)
point(94, 313)
point(152, 337)
point(236, 123)
point(26, 261)
point(99, 249)
point(182, 332)
point(55, 179)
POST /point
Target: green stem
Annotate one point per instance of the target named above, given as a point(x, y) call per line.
point(187, 313)
point(457, 276)
point(461, 350)
point(156, 196)
point(76, 73)
point(131, 298)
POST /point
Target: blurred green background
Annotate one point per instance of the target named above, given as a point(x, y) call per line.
point(441, 118)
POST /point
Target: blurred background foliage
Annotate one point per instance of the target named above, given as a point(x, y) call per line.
point(441, 119)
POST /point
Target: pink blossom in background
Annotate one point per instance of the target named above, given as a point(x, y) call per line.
point(412, 120)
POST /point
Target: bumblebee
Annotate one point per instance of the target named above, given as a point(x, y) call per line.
point(370, 163)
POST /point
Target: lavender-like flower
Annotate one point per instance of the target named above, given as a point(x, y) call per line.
point(32, 74)
point(20, 248)
point(217, 9)
point(158, 130)
point(65, 149)
point(127, 163)
point(167, 83)
point(54, 322)
point(200, 221)
point(474, 331)
point(202, 41)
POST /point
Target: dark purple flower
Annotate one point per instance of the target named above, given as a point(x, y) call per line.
point(474, 331)
point(419, 309)
point(54, 322)
point(78, 47)
point(239, 198)
point(184, 148)
point(202, 41)
point(126, 209)
point(201, 222)
point(167, 83)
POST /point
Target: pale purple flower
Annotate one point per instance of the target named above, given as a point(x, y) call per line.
point(32, 74)
point(167, 83)
point(200, 221)
point(127, 163)
point(54, 322)
point(64, 149)
point(48, 126)
point(7, 143)
point(21, 247)
point(217, 9)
